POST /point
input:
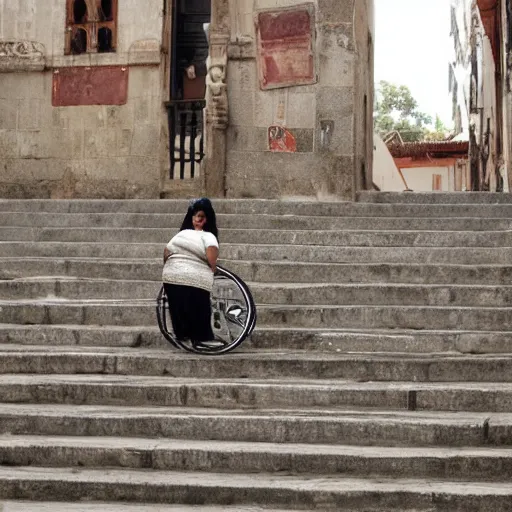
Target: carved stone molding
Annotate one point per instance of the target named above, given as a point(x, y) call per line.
point(242, 48)
point(18, 56)
point(216, 87)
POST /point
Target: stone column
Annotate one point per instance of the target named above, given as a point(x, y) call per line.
point(217, 101)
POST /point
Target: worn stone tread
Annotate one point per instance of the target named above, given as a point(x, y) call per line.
point(138, 443)
point(31, 506)
point(418, 204)
point(461, 255)
point(337, 384)
point(287, 364)
point(351, 413)
point(325, 425)
point(316, 238)
point(142, 312)
point(482, 463)
point(249, 354)
point(434, 198)
point(272, 338)
point(268, 293)
point(281, 392)
point(256, 220)
point(258, 489)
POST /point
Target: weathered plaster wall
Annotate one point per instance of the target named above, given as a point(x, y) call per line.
point(323, 165)
point(506, 64)
point(478, 92)
point(87, 151)
point(420, 179)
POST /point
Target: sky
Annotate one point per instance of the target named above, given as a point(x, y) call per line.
point(413, 48)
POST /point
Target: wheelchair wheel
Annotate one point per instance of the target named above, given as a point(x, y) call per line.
point(233, 316)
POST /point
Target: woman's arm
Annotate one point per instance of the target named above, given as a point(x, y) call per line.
point(212, 253)
point(167, 254)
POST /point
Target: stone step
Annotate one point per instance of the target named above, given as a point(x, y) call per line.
point(349, 238)
point(490, 464)
point(305, 493)
point(323, 340)
point(83, 335)
point(355, 341)
point(435, 198)
point(391, 317)
point(239, 393)
point(22, 359)
point(312, 426)
point(264, 271)
point(140, 313)
point(275, 293)
point(483, 209)
point(41, 506)
point(294, 253)
point(254, 221)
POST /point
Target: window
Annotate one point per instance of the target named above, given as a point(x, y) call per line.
point(91, 26)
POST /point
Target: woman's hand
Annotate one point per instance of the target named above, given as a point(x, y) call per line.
point(167, 254)
point(191, 72)
point(212, 253)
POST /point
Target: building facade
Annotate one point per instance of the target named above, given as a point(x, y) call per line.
point(433, 166)
point(80, 121)
point(481, 88)
point(240, 98)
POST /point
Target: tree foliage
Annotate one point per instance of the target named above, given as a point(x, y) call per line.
point(397, 110)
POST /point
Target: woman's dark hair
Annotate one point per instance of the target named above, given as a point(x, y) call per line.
point(202, 205)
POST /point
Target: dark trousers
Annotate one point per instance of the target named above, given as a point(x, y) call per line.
point(190, 311)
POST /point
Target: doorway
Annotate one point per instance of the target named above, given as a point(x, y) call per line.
point(189, 44)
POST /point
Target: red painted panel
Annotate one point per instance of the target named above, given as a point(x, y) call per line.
point(280, 140)
point(102, 85)
point(285, 24)
point(285, 47)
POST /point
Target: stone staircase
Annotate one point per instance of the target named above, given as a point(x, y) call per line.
point(379, 378)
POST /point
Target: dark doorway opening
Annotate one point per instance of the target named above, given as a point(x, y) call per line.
point(190, 48)
point(190, 22)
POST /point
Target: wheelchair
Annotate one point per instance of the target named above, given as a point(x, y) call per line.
point(233, 316)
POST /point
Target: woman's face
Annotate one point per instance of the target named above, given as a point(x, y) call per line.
point(199, 220)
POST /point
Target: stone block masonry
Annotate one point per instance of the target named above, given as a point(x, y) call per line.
point(114, 142)
point(324, 115)
point(88, 150)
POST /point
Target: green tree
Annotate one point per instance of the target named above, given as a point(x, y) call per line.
point(440, 132)
point(396, 109)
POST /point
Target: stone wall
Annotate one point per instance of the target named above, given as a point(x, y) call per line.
point(121, 151)
point(326, 118)
point(80, 151)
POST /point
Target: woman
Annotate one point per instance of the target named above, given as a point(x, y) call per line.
point(190, 260)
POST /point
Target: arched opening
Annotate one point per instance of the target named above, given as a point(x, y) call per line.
point(104, 40)
point(91, 26)
point(79, 41)
point(106, 11)
point(80, 11)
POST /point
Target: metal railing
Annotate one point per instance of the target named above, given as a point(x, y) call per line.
point(186, 136)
